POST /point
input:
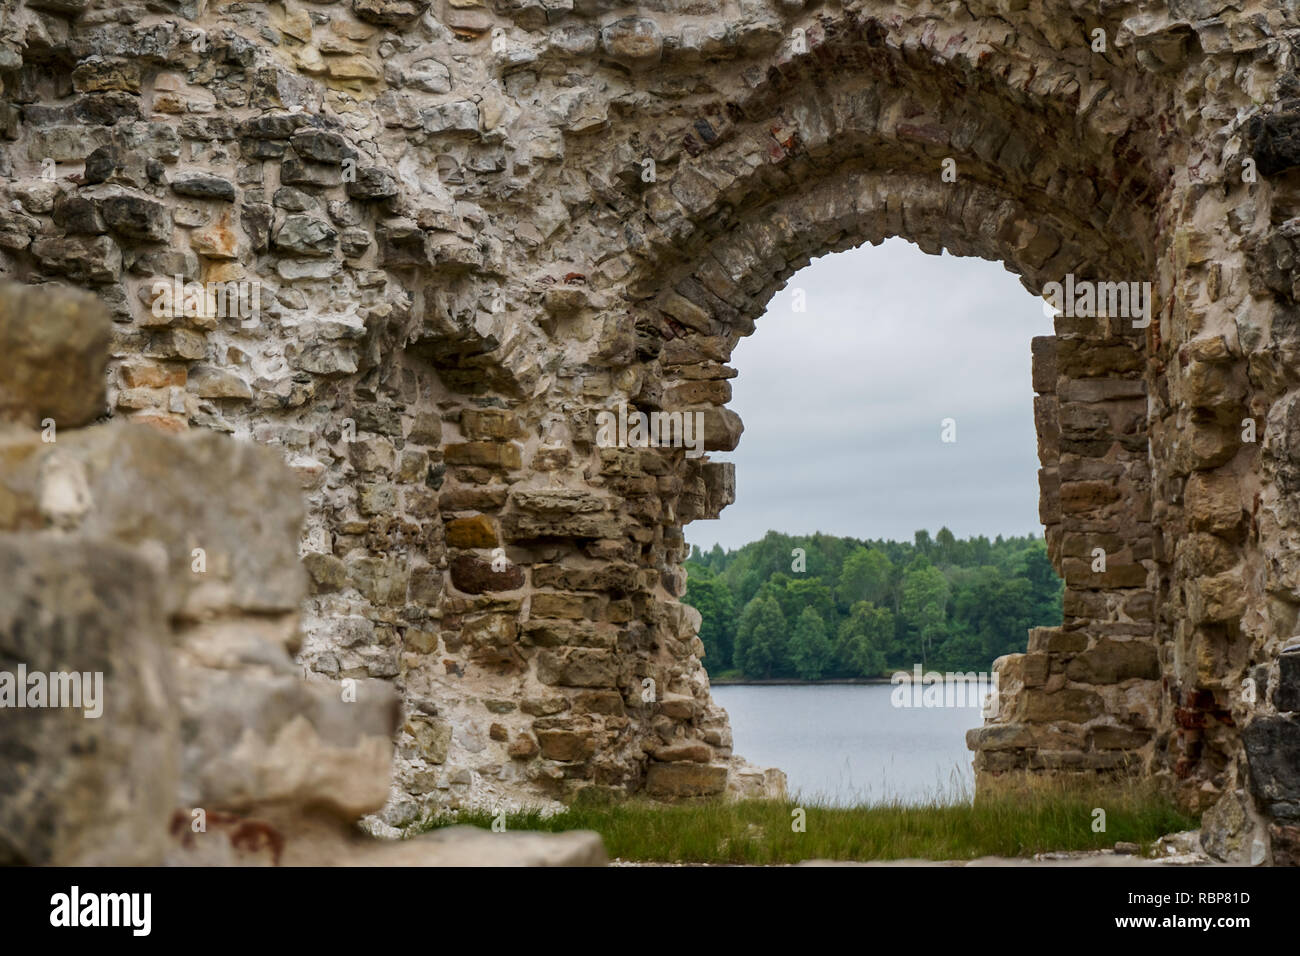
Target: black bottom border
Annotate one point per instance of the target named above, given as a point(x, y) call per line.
point(340, 906)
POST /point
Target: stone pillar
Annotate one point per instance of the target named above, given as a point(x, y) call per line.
point(1068, 703)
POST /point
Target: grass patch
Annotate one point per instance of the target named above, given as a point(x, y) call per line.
point(1011, 823)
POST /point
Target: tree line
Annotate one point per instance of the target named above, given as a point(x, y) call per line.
point(818, 606)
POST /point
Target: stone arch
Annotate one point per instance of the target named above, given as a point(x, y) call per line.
point(1091, 406)
point(817, 159)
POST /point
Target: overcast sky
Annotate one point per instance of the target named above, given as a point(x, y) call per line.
point(842, 404)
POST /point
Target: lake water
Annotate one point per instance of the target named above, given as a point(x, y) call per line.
point(847, 744)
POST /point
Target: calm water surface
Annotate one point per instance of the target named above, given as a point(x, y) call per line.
point(847, 744)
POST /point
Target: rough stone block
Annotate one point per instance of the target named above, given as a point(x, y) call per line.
point(79, 790)
point(484, 453)
point(474, 576)
point(1272, 747)
point(53, 354)
point(1109, 662)
point(248, 541)
point(474, 532)
point(577, 667)
point(258, 741)
point(1068, 704)
point(1287, 695)
point(684, 780)
point(1213, 503)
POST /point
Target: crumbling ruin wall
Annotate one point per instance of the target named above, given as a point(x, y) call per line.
point(474, 226)
point(152, 582)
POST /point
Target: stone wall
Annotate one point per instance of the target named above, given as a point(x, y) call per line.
point(476, 225)
point(1086, 697)
point(166, 565)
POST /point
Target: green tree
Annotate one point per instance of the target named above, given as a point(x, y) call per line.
point(945, 546)
point(710, 595)
point(995, 610)
point(750, 581)
point(962, 651)
point(811, 653)
point(796, 593)
point(863, 639)
point(1046, 587)
point(761, 637)
point(924, 605)
point(717, 559)
point(865, 576)
point(923, 543)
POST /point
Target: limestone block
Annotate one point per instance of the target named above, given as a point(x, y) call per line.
point(577, 667)
point(1213, 502)
point(1109, 662)
point(635, 42)
point(473, 532)
point(53, 354)
point(82, 259)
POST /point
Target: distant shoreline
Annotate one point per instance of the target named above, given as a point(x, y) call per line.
point(795, 682)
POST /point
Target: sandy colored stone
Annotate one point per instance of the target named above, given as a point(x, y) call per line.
point(53, 353)
point(473, 532)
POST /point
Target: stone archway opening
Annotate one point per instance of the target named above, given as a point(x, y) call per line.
point(870, 164)
point(888, 470)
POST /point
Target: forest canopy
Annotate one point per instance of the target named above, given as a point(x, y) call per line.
point(814, 607)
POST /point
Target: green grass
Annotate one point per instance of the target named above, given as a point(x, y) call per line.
point(760, 831)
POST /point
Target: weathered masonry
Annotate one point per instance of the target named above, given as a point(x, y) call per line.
point(475, 225)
